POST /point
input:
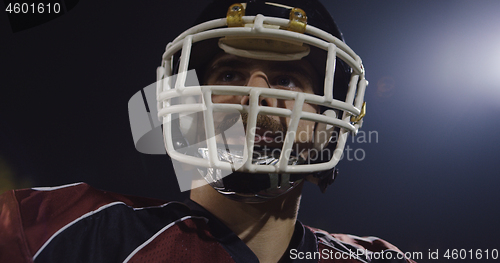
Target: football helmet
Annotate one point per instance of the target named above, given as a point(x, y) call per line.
point(219, 140)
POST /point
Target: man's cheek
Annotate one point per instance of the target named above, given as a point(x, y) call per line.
point(305, 132)
point(226, 99)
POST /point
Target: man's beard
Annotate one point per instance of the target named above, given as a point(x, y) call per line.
point(265, 154)
point(262, 154)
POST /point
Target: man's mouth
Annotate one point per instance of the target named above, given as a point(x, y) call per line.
point(267, 130)
point(265, 136)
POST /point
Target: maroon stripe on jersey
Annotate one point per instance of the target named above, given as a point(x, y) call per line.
point(186, 241)
point(43, 213)
point(356, 247)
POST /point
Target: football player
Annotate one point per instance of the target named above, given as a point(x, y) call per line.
point(255, 99)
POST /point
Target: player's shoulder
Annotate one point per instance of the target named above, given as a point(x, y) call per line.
point(369, 243)
point(62, 204)
point(363, 249)
point(77, 193)
point(31, 220)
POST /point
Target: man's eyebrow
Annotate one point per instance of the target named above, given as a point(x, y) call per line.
point(293, 68)
point(290, 67)
point(229, 63)
point(298, 69)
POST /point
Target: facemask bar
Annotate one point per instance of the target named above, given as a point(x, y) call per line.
point(259, 28)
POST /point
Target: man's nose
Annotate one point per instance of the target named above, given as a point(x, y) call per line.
point(259, 79)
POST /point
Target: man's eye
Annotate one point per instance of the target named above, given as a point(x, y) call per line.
point(229, 76)
point(286, 81)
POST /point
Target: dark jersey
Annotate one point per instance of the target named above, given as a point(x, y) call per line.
point(77, 223)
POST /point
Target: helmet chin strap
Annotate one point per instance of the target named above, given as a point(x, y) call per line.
point(324, 178)
point(251, 187)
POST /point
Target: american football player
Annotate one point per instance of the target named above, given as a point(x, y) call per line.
point(256, 99)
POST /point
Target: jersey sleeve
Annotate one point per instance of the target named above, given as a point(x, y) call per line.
point(13, 247)
point(360, 248)
point(30, 217)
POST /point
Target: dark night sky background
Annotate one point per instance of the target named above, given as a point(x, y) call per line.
point(431, 181)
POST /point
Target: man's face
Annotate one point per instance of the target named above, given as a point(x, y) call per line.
point(297, 75)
